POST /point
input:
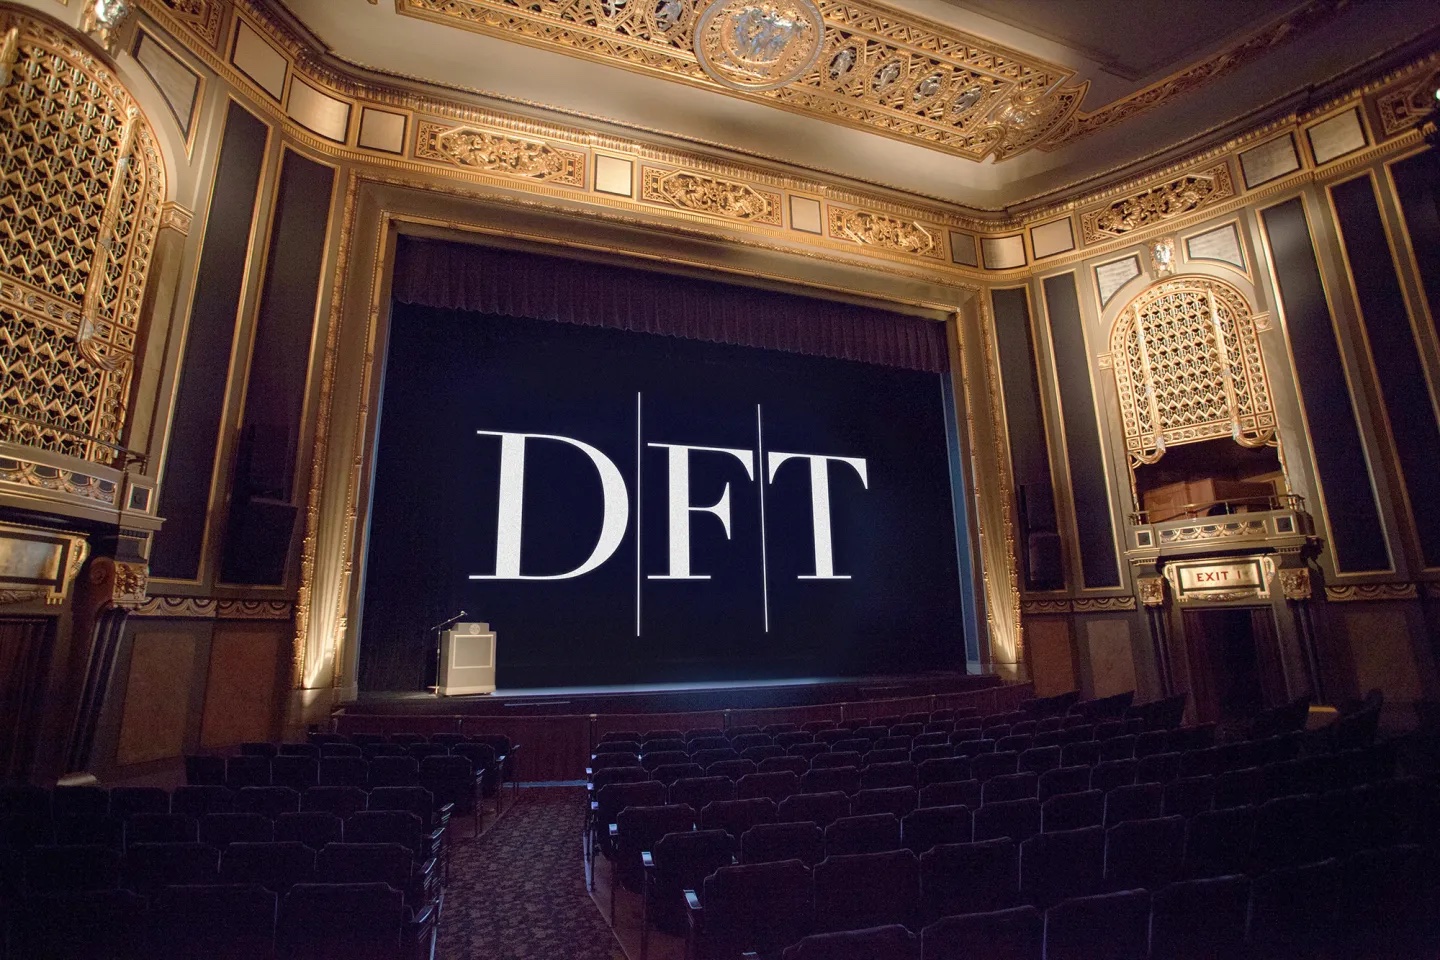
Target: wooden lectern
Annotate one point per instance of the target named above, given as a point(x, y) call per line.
point(467, 660)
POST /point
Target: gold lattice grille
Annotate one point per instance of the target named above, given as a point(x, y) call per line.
point(1188, 368)
point(81, 182)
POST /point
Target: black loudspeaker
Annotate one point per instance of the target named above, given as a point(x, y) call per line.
point(258, 541)
point(1043, 569)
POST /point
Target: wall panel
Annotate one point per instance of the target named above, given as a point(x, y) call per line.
point(246, 662)
point(163, 667)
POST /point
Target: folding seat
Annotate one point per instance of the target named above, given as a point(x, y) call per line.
point(889, 942)
point(772, 842)
point(634, 832)
point(898, 774)
point(760, 753)
point(71, 869)
point(1291, 778)
point(1157, 768)
point(393, 772)
point(1294, 910)
point(204, 771)
point(733, 769)
point(873, 732)
point(1388, 898)
point(911, 725)
point(247, 772)
point(761, 907)
point(1233, 756)
point(1289, 831)
point(19, 833)
point(973, 748)
point(744, 730)
point(340, 921)
point(1017, 819)
point(1022, 728)
point(1188, 796)
point(297, 773)
point(1084, 753)
point(1014, 934)
point(1144, 853)
point(1140, 801)
point(214, 922)
point(453, 780)
point(1039, 760)
point(89, 831)
point(796, 765)
point(357, 751)
point(895, 755)
point(1015, 743)
point(807, 750)
point(1117, 748)
point(387, 863)
point(870, 833)
point(1078, 730)
point(422, 750)
point(614, 797)
point(773, 786)
point(618, 746)
point(694, 744)
point(894, 742)
point(963, 793)
point(745, 741)
point(831, 737)
point(488, 767)
point(1217, 842)
point(896, 800)
point(267, 801)
point(160, 828)
point(25, 801)
point(1063, 780)
point(942, 770)
point(1199, 737)
point(1070, 811)
point(1200, 919)
point(1393, 812)
point(836, 758)
point(341, 801)
point(152, 866)
point(1012, 786)
point(1105, 708)
point(818, 726)
point(79, 802)
point(668, 773)
point(1111, 729)
point(1115, 926)
point(659, 758)
point(390, 826)
point(1238, 788)
point(1201, 762)
point(1109, 774)
point(962, 735)
point(257, 749)
point(925, 827)
point(79, 925)
point(275, 866)
point(821, 809)
point(125, 802)
point(222, 829)
point(698, 791)
point(407, 740)
point(314, 829)
point(1152, 742)
point(311, 750)
point(866, 890)
point(713, 755)
point(1063, 864)
point(775, 729)
point(737, 816)
point(199, 800)
point(931, 738)
point(345, 772)
point(997, 764)
point(958, 878)
point(996, 731)
point(680, 862)
point(620, 735)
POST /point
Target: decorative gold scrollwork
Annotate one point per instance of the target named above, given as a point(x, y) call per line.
point(1182, 195)
point(713, 195)
point(877, 229)
point(498, 153)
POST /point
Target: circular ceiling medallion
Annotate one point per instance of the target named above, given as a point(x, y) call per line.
point(758, 44)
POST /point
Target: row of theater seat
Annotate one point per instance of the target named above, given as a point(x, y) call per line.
point(1377, 903)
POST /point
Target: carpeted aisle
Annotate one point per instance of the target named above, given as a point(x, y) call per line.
point(519, 890)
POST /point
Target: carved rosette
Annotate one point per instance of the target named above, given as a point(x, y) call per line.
point(1152, 591)
point(716, 196)
point(1295, 583)
point(872, 229)
point(1166, 201)
point(483, 150)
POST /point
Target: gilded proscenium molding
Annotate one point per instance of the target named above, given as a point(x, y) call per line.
point(212, 608)
point(1276, 34)
point(1165, 201)
point(1187, 365)
point(467, 146)
point(731, 199)
point(76, 237)
point(1348, 593)
point(878, 69)
point(892, 233)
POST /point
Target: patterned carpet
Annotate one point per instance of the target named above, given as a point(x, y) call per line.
point(519, 890)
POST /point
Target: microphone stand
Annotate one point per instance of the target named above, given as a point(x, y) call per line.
point(436, 631)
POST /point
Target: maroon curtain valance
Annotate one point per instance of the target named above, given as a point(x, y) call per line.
point(459, 276)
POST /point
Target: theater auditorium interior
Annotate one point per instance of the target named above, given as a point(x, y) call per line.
point(702, 479)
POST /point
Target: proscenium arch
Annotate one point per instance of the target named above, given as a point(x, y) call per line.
point(1186, 357)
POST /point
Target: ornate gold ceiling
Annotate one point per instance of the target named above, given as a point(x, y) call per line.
point(874, 68)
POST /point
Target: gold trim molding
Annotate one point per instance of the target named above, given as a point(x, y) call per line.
point(1158, 204)
point(1359, 592)
point(1081, 605)
point(717, 196)
point(213, 608)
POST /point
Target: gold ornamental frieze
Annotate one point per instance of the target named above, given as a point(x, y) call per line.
point(863, 65)
point(868, 228)
point(1406, 106)
point(1360, 592)
point(1166, 201)
point(490, 152)
point(204, 17)
point(717, 196)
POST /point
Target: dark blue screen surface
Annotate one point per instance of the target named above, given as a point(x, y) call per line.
point(760, 613)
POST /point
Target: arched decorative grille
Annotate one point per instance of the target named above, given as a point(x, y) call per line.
point(81, 183)
point(1188, 368)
